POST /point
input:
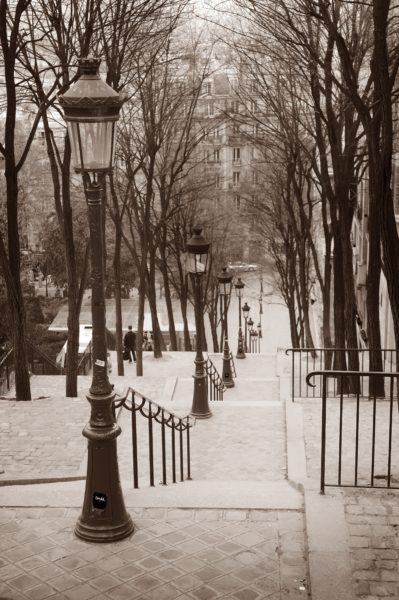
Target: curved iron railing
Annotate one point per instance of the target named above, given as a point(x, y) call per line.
point(216, 386)
point(233, 367)
point(40, 363)
point(136, 404)
point(7, 369)
point(305, 360)
point(360, 434)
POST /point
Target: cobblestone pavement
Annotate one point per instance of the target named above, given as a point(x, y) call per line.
point(174, 554)
point(27, 449)
point(373, 520)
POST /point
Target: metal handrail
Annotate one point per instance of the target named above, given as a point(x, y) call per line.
point(7, 361)
point(233, 365)
point(349, 436)
point(86, 359)
point(7, 365)
point(305, 360)
point(216, 386)
point(47, 360)
point(177, 425)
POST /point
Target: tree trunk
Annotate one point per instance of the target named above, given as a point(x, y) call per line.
point(346, 214)
point(169, 306)
point(140, 321)
point(339, 362)
point(374, 269)
point(214, 334)
point(72, 357)
point(183, 306)
point(159, 343)
point(22, 383)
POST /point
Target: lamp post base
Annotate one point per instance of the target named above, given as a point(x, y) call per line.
point(200, 407)
point(104, 517)
point(227, 376)
point(240, 348)
point(104, 534)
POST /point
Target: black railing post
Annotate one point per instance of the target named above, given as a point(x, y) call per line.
point(173, 452)
point(188, 449)
point(293, 375)
point(181, 449)
point(323, 436)
point(163, 448)
point(134, 444)
point(151, 445)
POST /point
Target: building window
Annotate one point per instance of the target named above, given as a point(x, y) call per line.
point(254, 106)
point(236, 178)
point(207, 87)
point(254, 85)
point(236, 129)
point(210, 109)
point(214, 132)
point(235, 106)
point(254, 177)
point(217, 181)
point(236, 155)
point(237, 201)
point(212, 155)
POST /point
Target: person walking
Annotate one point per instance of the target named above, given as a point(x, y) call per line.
point(129, 342)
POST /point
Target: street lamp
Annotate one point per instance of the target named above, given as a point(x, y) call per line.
point(260, 316)
point(239, 287)
point(198, 249)
point(91, 110)
point(245, 311)
point(259, 332)
point(225, 278)
point(250, 329)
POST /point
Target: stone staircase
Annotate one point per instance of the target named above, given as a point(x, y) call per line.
point(238, 456)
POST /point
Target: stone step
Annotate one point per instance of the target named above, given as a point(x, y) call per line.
point(253, 365)
point(271, 495)
point(259, 390)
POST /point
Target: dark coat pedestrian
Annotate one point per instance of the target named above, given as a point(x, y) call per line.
point(129, 342)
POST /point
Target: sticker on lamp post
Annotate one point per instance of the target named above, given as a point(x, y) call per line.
point(99, 500)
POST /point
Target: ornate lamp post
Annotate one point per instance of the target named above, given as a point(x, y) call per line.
point(198, 249)
point(239, 287)
point(260, 316)
point(91, 109)
point(250, 330)
point(245, 312)
point(225, 278)
point(259, 327)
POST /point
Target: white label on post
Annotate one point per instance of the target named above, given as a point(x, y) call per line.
point(100, 363)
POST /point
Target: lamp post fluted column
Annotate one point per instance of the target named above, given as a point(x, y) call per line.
point(250, 332)
point(245, 310)
point(91, 109)
point(225, 278)
point(200, 407)
point(239, 287)
point(198, 249)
